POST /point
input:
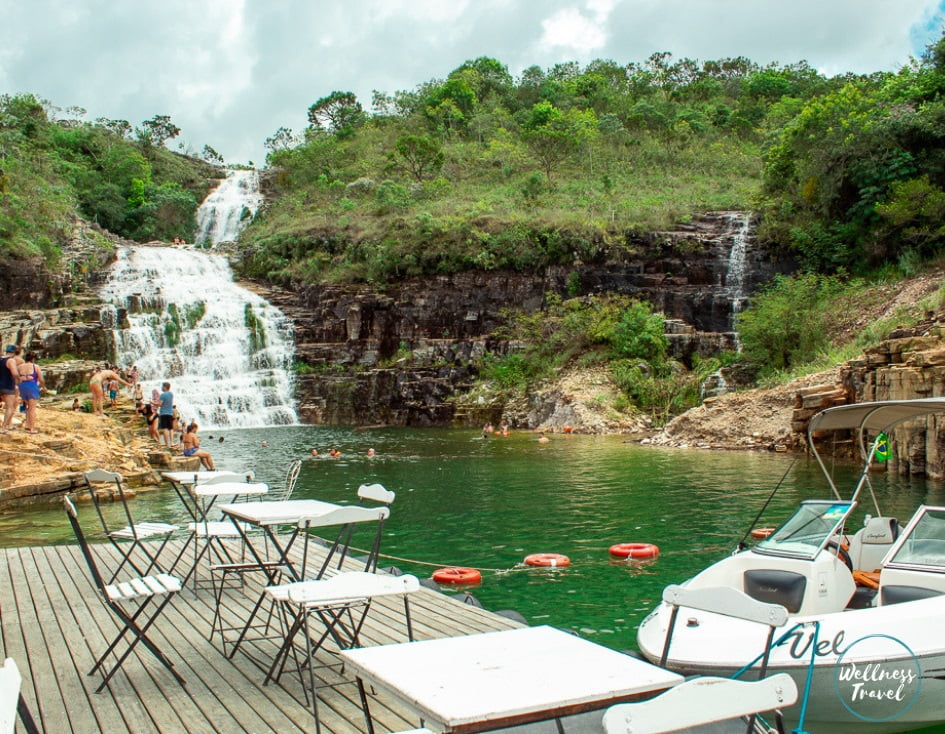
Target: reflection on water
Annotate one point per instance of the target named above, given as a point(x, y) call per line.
point(488, 503)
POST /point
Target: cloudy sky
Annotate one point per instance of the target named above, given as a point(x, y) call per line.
point(230, 72)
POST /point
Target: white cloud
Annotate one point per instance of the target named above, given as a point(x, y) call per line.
point(571, 29)
point(230, 72)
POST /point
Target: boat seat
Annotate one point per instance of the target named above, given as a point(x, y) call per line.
point(897, 594)
point(869, 544)
point(862, 598)
point(775, 586)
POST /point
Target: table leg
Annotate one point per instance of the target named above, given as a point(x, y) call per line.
point(272, 569)
point(365, 707)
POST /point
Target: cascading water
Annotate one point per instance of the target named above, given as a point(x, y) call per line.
point(228, 208)
point(739, 226)
point(226, 352)
point(735, 278)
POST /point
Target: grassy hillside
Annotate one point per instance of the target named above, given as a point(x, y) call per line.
point(55, 167)
point(482, 171)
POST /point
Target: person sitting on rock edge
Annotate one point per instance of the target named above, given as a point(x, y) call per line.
point(191, 446)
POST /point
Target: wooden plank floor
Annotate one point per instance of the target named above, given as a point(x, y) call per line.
point(54, 625)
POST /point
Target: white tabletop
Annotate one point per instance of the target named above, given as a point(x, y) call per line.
point(230, 488)
point(509, 677)
point(286, 512)
point(187, 477)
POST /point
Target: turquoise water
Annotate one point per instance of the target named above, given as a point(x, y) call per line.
point(465, 501)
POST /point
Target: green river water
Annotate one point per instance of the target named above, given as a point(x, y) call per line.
point(465, 501)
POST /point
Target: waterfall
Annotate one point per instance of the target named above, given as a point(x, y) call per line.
point(735, 278)
point(713, 386)
point(228, 208)
point(226, 352)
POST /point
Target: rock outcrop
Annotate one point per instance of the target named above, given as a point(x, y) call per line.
point(81, 263)
point(401, 355)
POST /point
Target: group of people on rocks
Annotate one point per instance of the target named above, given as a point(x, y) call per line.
point(164, 422)
point(21, 381)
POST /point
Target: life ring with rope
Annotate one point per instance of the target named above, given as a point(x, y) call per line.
point(547, 560)
point(761, 533)
point(457, 576)
point(634, 550)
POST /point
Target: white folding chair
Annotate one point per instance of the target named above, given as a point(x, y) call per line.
point(209, 536)
point(367, 493)
point(698, 701)
point(288, 486)
point(137, 602)
point(12, 703)
point(132, 536)
point(341, 604)
point(225, 529)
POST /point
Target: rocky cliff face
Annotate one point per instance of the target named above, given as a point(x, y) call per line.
point(909, 365)
point(81, 263)
point(398, 356)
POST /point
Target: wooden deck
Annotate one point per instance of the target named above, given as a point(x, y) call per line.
point(55, 627)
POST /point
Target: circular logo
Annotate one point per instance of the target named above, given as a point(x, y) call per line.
point(877, 678)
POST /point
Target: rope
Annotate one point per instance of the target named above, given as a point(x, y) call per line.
point(517, 567)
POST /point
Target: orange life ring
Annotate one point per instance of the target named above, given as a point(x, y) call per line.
point(761, 533)
point(634, 550)
point(457, 576)
point(552, 560)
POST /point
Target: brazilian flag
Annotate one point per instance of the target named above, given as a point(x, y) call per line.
point(881, 452)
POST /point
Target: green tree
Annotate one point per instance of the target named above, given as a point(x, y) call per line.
point(281, 139)
point(339, 113)
point(159, 129)
point(211, 156)
point(554, 136)
point(419, 156)
point(787, 323)
point(450, 104)
point(488, 78)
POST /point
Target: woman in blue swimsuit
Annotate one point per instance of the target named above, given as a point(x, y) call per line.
point(191, 447)
point(31, 380)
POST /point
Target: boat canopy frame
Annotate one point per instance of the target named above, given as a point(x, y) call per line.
point(873, 418)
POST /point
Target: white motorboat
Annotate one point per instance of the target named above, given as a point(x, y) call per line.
point(855, 615)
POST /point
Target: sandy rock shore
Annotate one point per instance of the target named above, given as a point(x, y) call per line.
point(40, 467)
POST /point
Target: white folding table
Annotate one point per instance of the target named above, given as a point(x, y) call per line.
point(188, 477)
point(493, 680)
point(268, 516)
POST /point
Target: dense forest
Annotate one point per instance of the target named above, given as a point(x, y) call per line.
point(54, 166)
point(480, 170)
point(484, 171)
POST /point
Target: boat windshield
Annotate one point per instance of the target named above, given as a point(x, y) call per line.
point(808, 529)
point(922, 544)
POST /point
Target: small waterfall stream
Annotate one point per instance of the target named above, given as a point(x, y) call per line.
point(226, 352)
point(228, 208)
point(735, 278)
point(739, 225)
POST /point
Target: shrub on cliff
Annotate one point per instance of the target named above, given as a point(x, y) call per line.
point(788, 323)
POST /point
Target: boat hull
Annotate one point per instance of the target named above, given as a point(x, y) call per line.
point(876, 670)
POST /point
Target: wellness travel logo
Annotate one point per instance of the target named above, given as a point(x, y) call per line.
point(878, 678)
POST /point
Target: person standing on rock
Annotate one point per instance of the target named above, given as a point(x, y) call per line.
point(166, 413)
point(9, 379)
point(31, 380)
point(97, 383)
